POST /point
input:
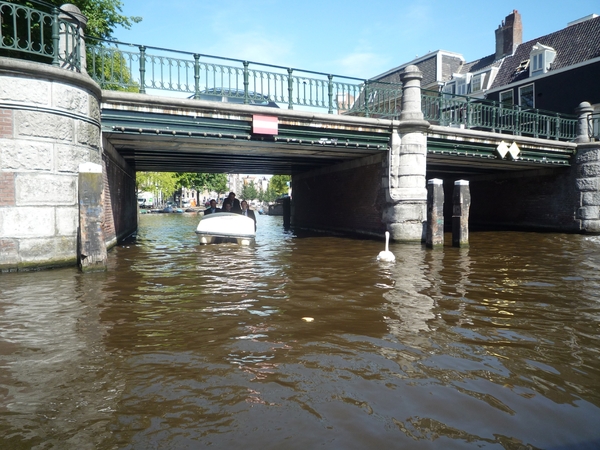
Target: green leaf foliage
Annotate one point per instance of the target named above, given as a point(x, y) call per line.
point(280, 184)
point(103, 16)
point(163, 183)
point(199, 182)
point(249, 191)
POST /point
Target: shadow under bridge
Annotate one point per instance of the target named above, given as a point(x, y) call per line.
point(183, 135)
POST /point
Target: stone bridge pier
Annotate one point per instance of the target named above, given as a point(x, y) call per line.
point(385, 192)
point(405, 210)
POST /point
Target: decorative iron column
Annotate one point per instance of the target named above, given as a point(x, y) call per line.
point(405, 185)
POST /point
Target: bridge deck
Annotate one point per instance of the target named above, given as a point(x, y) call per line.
point(160, 134)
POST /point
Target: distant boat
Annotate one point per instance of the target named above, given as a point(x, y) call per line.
point(226, 227)
point(276, 209)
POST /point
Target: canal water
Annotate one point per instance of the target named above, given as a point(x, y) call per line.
point(306, 341)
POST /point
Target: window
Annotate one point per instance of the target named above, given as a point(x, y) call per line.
point(522, 67)
point(461, 86)
point(541, 57)
point(506, 99)
point(526, 98)
point(476, 83)
point(448, 89)
point(538, 62)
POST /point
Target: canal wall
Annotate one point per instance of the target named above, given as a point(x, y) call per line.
point(49, 125)
point(587, 185)
point(120, 201)
point(346, 198)
point(542, 200)
point(565, 199)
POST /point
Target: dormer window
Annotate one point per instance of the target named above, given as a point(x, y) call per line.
point(476, 84)
point(541, 58)
point(462, 84)
point(448, 89)
point(522, 67)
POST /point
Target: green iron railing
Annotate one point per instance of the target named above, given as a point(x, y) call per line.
point(43, 36)
point(465, 112)
point(594, 126)
point(118, 65)
point(40, 34)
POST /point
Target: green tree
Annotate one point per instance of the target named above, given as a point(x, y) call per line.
point(199, 182)
point(268, 195)
point(217, 182)
point(107, 66)
point(249, 191)
point(161, 184)
point(280, 184)
point(109, 69)
point(103, 16)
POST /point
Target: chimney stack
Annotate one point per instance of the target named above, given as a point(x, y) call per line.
point(509, 35)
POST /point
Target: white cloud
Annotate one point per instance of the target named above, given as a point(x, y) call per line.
point(253, 46)
point(362, 64)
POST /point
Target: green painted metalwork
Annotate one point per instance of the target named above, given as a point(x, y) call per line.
point(441, 147)
point(55, 36)
point(116, 65)
point(122, 66)
point(142, 69)
point(464, 112)
point(594, 126)
point(34, 34)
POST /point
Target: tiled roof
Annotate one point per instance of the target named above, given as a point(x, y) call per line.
point(575, 44)
point(479, 64)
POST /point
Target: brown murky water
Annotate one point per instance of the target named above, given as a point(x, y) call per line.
point(180, 346)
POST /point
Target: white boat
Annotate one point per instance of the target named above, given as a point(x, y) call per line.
point(226, 227)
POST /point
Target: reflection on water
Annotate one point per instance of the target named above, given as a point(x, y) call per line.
point(184, 346)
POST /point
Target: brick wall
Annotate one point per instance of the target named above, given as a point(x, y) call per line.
point(120, 203)
point(536, 199)
point(7, 189)
point(6, 123)
point(340, 199)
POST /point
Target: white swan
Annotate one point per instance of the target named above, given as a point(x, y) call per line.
point(386, 255)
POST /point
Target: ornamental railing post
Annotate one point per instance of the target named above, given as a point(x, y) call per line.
point(55, 37)
point(517, 111)
point(557, 126)
point(330, 92)
point(290, 89)
point(494, 116)
point(246, 83)
point(142, 69)
point(468, 114)
point(196, 76)
point(585, 123)
point(366, 98)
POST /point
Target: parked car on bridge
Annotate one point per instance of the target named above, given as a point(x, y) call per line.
point(235, 96)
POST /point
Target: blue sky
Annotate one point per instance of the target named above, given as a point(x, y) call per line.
point(344, 37)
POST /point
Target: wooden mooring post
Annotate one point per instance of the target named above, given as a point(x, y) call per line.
point(460, 213)
point(435, 213)
point(91, 245)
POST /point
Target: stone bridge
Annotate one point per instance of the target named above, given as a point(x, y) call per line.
point(349, 174)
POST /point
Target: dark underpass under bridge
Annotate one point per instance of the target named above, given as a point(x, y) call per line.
point(360, 152)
